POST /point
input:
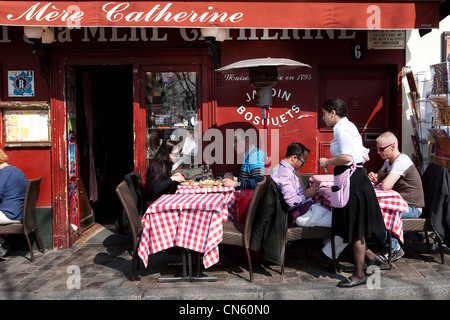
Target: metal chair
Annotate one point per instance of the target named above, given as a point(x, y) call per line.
point(238, 234)
point(28, 223)
point(128, 204)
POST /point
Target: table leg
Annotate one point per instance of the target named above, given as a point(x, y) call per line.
point(186, 254)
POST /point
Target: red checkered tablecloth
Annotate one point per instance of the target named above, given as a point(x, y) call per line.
point(391, 202)
point(191, 221)
point(228, 193)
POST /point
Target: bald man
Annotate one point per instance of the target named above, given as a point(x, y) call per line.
point(400, 174)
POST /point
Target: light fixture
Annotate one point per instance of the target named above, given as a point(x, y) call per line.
point(213, 38)
point(48, 35)
point(39, 38)
point(221, 35)
point(33, 32)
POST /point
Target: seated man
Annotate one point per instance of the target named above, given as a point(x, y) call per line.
point(302, 209)
point(13, 186)
point(400, 174)
point(253, 167)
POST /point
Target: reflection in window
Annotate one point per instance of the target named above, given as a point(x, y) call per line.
point(171, 103)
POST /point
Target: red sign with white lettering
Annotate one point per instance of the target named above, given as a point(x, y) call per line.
point(275, 15)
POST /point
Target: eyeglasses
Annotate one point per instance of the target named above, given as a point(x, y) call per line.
point(381, 149)
point(301, 160)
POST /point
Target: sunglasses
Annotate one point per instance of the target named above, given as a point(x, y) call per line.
point(381, 149)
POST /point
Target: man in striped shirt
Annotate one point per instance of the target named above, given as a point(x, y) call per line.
point(253, 167)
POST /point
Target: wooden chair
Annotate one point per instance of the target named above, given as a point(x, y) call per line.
point(128, 204)
point(303, 233)
point(420, 225)
point(28, 223)
point(238, 234)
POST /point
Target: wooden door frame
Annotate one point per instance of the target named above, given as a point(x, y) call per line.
point(59, 161)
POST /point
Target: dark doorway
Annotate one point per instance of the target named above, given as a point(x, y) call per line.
point(111, 98)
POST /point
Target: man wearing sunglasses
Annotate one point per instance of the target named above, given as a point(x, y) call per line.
point(400, 174)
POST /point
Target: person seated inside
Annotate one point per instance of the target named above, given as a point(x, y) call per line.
point(399, 174)
point(13, 187)
point(159, 175)
point(253, 166)
point(303, 211)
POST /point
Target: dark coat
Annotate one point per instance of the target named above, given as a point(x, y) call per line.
point(269, 226)
point(436, 189)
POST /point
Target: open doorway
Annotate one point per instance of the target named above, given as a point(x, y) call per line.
point(108, 126)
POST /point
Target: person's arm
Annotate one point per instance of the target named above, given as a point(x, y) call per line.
point(257, 169)
point(389, 181)
point(159, 184)
point(340, 160)
point(250, 183)
point(377, 177)
point(292, 197)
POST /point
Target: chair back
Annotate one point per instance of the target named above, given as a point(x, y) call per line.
point(128, 204)
point(134, 182)
point(431, 179)
point(29, 205)
point(251, 212)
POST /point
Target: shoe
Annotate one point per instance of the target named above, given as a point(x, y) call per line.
point(348, 283)
point(395, 255)
point(3, 251)
point(379, 261)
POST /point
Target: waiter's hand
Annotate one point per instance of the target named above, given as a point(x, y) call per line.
point(323, 162)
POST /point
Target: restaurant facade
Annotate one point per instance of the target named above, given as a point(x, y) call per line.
point(116, 78)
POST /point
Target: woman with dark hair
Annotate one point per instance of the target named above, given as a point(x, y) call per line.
point(361, 218)
point(159, 175)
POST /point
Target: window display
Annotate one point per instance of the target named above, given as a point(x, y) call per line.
point(171, 104)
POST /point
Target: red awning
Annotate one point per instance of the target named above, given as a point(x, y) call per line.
point(228, 14)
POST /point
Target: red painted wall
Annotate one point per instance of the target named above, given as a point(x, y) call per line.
point(34, 162)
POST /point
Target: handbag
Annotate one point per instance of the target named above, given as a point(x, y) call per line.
point(340, 190)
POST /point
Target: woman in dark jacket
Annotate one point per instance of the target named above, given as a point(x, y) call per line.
point(159, 175)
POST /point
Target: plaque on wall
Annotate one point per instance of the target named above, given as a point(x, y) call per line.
point(26, 127)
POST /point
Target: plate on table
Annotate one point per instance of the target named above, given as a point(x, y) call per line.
point(189, 183)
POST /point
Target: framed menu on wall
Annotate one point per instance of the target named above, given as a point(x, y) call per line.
point(26, 127)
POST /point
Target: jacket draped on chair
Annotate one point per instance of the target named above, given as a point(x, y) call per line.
point(269, 226)
point(436, 187)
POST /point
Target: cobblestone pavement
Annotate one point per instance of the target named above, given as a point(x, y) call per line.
point(98, 266)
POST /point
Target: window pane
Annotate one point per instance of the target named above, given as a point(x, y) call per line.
point(171, 103)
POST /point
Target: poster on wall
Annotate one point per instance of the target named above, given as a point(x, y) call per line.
point(21, 83)
point(71, 103)
point(72, 160)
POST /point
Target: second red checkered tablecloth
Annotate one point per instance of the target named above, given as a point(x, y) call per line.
point(391, 202)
